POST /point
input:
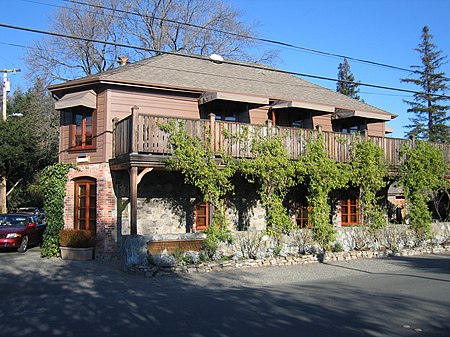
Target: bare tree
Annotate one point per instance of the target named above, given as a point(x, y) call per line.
point(60, 59)
point(186, 26)
point(189, 26)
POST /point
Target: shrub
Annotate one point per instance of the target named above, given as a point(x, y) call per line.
point(76, 238)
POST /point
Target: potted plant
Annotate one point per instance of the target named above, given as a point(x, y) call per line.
point(76, 244)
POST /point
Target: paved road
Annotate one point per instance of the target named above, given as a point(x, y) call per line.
point(389, 297)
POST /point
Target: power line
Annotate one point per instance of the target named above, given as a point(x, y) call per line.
point(242, 36)
point(254, 66)
point(248, 37)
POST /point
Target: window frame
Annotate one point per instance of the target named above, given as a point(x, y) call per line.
point(206, 205)
point(299, 212)
point(90, 211)
point(349, 203)
point(84, 112)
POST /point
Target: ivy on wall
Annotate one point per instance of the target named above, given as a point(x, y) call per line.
point(194, 158)
point(322, 175)
point(53, 181)
point(369, 172)
point(274, 173)
point(422, 171)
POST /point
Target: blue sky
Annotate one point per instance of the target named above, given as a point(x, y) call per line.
point(378, 30)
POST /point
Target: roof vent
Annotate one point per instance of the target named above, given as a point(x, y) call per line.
point(216, 58)
point(123, 60)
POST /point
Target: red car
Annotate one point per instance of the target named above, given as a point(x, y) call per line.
point(20, 231)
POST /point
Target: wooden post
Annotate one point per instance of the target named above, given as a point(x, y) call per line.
point(134, 129)
point(133, 200)
point(319, 128)
point(114, 135)
point(269, 125)
point(3, 195)
point(274, 117)
point(212, 131)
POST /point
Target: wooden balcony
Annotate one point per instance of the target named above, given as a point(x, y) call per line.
point(139, 141)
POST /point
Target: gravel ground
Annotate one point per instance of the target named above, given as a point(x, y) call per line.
point(266, 276)
point(249, 277)
point(402, 296)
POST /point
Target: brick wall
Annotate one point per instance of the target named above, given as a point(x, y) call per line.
point(106, 233)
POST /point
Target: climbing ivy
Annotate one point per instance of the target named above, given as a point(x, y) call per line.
point(53, 181)
point(193, 157)
point(273, 171)
point(322, 175)
point(422, 171)
point(212, 175)
point(368, 172)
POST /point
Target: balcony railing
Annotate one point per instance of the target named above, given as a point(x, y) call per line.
point(140, 133)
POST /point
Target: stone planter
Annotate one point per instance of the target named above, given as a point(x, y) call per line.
point(80, 254)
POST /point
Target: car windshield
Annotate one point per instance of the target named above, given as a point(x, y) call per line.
point(27, 210)
point(13, 220)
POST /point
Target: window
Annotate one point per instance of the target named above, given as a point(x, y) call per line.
point(82, 130)
point(85, 204)
point(201, 216)
point(349, 212)
point(302, 216)
point(351, 129)
point(295, 118)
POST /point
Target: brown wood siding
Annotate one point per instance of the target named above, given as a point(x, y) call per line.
point(376, 129)
point(64, 134)
point(324, 121)
point(259, 115)
point(156, 104)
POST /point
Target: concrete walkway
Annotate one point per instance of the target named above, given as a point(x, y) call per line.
point(384, 297)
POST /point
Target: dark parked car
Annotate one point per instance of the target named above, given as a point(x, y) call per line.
point(20, 231)
point(38, 212)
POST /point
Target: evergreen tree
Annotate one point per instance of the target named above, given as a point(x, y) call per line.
point(346, 81)
point(430, 120)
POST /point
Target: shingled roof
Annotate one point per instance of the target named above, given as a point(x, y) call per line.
point(203, 75)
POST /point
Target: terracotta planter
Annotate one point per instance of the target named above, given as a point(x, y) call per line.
point(80, 254)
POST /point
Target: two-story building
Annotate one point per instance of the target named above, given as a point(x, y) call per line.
point(109, 127)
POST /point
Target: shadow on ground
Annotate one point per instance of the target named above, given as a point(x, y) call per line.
point(97, 299)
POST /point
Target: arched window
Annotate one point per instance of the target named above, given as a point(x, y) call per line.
point(85, 203)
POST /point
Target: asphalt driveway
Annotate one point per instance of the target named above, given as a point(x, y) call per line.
point(386, 297)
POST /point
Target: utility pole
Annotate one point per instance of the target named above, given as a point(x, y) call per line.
point(6, 89)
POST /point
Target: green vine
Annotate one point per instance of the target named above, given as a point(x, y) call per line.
point(422, 171)
point(274, 172)
point(323, 175)
point(368, 173)
point(53, 181)
point(212, 175)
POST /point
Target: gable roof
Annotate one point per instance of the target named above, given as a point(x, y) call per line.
point(201, 74)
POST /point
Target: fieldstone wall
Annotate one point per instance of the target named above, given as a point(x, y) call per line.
point(256, 248)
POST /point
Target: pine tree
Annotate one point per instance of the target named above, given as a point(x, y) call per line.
point(430, 120)
point(346, 81)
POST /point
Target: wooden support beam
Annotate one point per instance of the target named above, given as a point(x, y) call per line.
point(142, 174)
point(212, 131)
point(134, 129)
point(133, 200)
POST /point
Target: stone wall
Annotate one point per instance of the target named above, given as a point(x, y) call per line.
point(166, 205)
point(258, 246)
